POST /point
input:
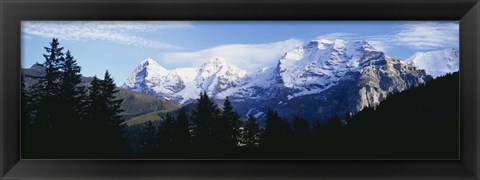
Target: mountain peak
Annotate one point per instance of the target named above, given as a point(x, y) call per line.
point(320, 44)
point(339, 44)
point(216, 60)
point(148, 61)
point(325, 59)
point(37, 67)
point(215, 64)
point(151, 65)
point(325, 41)
point(436, 63)
point(363, 44)
point(148, 70)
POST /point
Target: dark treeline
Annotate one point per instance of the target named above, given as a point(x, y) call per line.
point(63, 119)
point(207, 132)
point(421, 122)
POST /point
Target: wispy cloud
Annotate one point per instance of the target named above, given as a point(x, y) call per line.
point(416, 35)
point(248, 56)
point(121, 32)
point(428, 35)
point(339, 35)
point(382, 43)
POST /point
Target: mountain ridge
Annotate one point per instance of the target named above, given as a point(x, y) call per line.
point(133, 104)
point(310, 75)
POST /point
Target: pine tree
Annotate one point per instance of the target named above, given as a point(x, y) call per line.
point(333, 134)
point(71, 100)
point(46, 104)
point(72, 94)
point(334, 123)
point(115, 142)
point(182, 132)
point(301, 131)
point(27, 125)
point(46, 91)
point(65, 119)
point(204, 117)
point(277, 131)
point(228, 126)
point(318, 134)
point(251, 134)
point(95, 105)
point(113, 104)
point(149, 148)
point(269, 133)
point(166, 133)
point(104, 121)
point(92, 124)
point(25, 104)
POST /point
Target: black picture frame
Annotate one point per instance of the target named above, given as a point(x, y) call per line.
point(14, 11)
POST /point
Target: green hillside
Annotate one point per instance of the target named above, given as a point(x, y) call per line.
point(157, 115)
point(137, 104)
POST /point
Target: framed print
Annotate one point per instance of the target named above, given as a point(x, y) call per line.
point(337, 95)
point(203, 89)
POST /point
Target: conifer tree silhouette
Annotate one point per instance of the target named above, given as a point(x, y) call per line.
point(251, 134)
point(228, 126)
point(204, 117)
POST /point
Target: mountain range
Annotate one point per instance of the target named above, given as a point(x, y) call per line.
point(316, 81)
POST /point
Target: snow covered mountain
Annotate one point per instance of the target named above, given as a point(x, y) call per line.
point(316, 81)
point(183, 85)
point(325, 78)
point(321, 64)
point(436, 63)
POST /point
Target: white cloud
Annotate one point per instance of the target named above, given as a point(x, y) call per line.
point(250, 57)
point(382, 43)
point(379, 42)
point(428, 35)
point(417, 35)
point(122, 32)
point(339, 35)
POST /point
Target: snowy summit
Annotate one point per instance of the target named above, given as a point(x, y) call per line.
point(436, 63)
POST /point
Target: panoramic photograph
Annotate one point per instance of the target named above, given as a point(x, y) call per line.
point(240, 90)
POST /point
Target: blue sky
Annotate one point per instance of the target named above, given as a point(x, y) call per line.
point(120, 46)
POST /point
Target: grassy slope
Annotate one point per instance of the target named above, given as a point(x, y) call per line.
point(156, 115)
point(151, 116)
point(137, 104)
